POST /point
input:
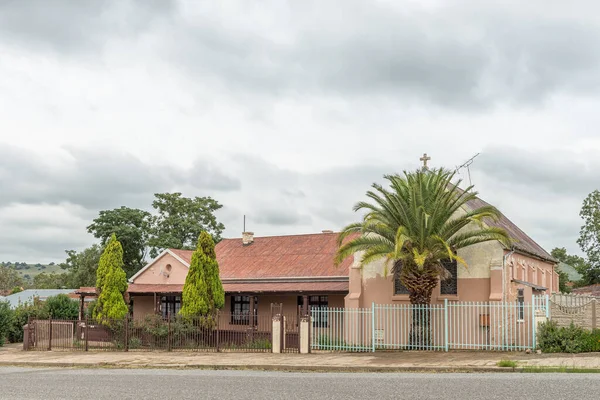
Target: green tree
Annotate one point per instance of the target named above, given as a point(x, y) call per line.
point(132, 228)
point(9, 278)
point(62, 306)
point(577, 262)
point(589, 237)
point(16, 289)
point(415, 225)
point(180, 221)
point(81, 266)
point(203, 291)
point(45, 280)
point(6, 321)
point(111, 283)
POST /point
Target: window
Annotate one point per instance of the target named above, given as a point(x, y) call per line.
point(240, 310)
point(319, 319)
point(521, 304)
point(170, 306)
point(450, 285)
point(399, 288)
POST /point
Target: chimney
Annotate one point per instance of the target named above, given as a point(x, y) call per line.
point(326, 231)
point(247, 238)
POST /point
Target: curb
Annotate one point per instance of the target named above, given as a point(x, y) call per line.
point(265, 367)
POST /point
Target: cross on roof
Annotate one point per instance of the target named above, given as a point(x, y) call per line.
point(425, 158)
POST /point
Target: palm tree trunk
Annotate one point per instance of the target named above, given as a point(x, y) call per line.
point(420, 299)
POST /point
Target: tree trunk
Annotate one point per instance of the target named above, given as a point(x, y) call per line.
point(420, 289)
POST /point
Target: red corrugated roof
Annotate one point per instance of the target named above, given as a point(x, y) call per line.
point(250, 287)
point(278, 257)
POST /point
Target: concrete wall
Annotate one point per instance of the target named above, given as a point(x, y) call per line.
point(585, 316)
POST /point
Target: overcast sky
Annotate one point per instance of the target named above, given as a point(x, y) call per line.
point(288, 111)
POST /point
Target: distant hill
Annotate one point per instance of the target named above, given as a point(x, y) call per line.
point(29, 271)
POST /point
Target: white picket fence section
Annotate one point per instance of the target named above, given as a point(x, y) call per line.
point(443, 327)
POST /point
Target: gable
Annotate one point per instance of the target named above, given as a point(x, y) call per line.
point(166, 269)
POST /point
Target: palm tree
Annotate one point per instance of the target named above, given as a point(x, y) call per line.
point(416, 225)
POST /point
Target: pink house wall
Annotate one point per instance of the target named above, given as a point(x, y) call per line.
point(158, 274)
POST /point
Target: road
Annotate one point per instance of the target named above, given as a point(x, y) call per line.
point(49, 384)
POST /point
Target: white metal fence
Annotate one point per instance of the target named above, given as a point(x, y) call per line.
point(452, 325)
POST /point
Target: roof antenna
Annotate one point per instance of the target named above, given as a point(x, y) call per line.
point(466, 165)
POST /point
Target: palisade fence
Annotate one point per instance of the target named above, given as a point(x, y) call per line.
point(442, 327)
point(225, 332)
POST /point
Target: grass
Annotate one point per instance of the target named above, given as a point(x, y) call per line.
point(507, 363)
point(573, 370)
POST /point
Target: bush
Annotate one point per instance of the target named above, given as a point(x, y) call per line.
point(6, 320)
point(21, 316)
point(572, 339)
point(62, 307)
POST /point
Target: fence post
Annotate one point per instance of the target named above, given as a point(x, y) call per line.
point(126, 339)
point(534, 325)
point(547, 307)
point(594, 314)
point(373, 327)
point(169, 333)
point(86, 334)
point(446, 345)
point(217, 332)
point(50, 334)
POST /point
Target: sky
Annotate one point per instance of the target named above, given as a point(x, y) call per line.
point(287, 111)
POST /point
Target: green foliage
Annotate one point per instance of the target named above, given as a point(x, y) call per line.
point(589, 237)
point(6, 321)
point(415, 225)
point(203, 291)
point(572, 339)
point(563, 279)
point(81, 266)
point(45, 280)
point(16, 289)
point(111, 283)
point(180, 221)
point(22, 314)
point(507, 364)
point(9, 278)
point(62, 306)
point(132, 229)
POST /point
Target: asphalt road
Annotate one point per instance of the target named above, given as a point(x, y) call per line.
point(48, 384)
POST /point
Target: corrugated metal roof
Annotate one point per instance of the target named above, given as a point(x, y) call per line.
point(522, 241)
point(571, 272)
point(27, 296)
point(309, 255)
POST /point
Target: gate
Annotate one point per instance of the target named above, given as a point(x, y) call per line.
point(291, 328)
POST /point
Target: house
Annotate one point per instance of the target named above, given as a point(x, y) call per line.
point(27, 296)
point(293, 271)
point(298, 270)
point(590, 290)
point(493, 273)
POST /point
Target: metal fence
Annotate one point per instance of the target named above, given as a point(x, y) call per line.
point(224, 332)
point(442, 327)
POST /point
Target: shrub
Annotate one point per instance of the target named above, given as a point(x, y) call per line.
point(571, 339)
point(507, 363)
point(6, 319)
point(62, 307)
point(22, 314)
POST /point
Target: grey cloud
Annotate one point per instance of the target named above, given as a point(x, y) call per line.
point(541, 191)
point(67, 26)
point(98, 179)
point(555, 172)
point(465, 54)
